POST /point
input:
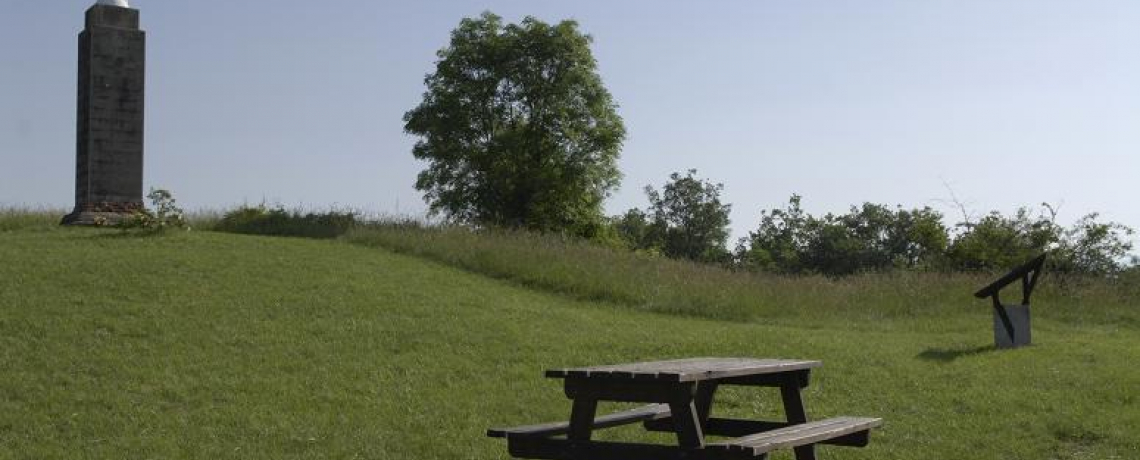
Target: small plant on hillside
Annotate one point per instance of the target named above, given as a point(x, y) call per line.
point(261, 220)
point(166, 215)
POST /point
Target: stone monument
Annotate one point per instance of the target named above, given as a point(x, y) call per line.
point(109, 135)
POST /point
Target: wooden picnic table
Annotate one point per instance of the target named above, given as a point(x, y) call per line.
point(681, 395)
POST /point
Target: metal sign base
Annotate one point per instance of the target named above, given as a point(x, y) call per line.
point(1018, 323)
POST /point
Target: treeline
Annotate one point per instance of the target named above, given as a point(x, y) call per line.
point(687, 220)
point(519, 132)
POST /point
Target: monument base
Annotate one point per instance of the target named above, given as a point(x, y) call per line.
point(1019, 321)
point(101, 214)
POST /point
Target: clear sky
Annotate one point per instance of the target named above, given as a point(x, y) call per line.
point(1009, 102)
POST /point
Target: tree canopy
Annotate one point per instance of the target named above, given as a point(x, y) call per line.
point(877, 238)
point(869, 238)
point(517, 128)
point(686, 220)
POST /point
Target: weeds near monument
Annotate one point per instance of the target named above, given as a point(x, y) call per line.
point(166, 215)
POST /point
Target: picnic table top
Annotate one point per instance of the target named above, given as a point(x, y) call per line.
point(686, 370)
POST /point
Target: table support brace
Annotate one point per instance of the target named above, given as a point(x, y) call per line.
point(582, 418)
point(687, 418)
point(796, 413)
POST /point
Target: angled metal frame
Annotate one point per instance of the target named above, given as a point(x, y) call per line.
point(1028, 273)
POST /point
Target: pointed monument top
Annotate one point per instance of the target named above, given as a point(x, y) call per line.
point(119, 3)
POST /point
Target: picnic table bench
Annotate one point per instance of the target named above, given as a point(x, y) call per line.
point(680, 393)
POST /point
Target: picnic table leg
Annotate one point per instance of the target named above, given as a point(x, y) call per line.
point(796, 413)
point(582, 417)
point(703, 401)
point(686, 418)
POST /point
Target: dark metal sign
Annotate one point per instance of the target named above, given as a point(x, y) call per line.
point(1011, 322)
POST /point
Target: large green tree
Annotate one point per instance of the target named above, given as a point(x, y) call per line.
point(517, 128)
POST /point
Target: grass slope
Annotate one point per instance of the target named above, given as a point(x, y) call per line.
point(206, 345)
point(579, 269)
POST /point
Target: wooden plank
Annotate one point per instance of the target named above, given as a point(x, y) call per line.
point(788, 436)
point(544, 429)
point(524, 445)
point(798, 435)
point(685, 370)
point(651, 368)
point(641, 414)
point(733, 428)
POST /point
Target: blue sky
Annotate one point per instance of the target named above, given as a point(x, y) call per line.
point(1009, 103)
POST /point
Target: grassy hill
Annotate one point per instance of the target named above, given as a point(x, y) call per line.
point(209, 345)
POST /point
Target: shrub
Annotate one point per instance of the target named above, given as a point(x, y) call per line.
point(1093, 247)
point(877, 238)
point(997, 242)
point(261, 220)
point(166, 215)
point(872, 237)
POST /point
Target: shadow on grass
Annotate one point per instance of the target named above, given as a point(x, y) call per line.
point(946, 355)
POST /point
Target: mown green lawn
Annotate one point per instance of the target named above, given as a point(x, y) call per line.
point(206, 345)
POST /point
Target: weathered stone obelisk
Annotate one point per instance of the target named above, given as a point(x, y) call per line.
point(109, 135)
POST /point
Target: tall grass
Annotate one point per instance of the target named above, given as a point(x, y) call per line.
point(591, 272)
point(14, 218)
point(203, 219)
point(261, 220)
